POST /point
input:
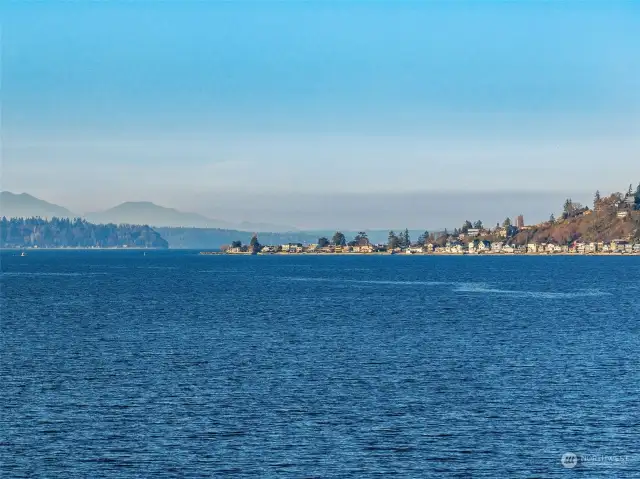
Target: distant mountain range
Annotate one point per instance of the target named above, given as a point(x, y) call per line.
point(25, 205)
point(144, 212)
point(141, 213)
point(190, 230)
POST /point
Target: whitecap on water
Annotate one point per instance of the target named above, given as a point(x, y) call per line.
point(484, 289)
point(369, 281)
point(459, 287)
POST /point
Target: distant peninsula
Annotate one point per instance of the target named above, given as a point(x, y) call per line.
point(76, 233)
point(612, 226)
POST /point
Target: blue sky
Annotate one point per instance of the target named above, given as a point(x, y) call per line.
point(184, 103)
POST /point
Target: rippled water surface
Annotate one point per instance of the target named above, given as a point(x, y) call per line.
point(116, 364)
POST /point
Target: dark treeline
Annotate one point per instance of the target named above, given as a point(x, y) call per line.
point(75, 233)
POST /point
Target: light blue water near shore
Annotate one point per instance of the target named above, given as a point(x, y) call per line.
point(115, 364)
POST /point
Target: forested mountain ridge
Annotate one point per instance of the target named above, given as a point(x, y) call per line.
point(76, 233)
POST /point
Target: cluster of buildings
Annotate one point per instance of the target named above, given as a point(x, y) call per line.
point(474, 240)
point(499, 247)
point(299, 248)
point(456, 247)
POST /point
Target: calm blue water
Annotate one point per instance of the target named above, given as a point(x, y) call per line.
point(114, 364)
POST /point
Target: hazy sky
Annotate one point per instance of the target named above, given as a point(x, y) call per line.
point(188, 104)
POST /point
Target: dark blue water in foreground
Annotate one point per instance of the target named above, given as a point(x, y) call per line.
point(114, 364)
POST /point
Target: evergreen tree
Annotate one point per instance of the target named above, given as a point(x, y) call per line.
point(401, 239)
point(407, 239)
point(393, 241)
point(467, 226)
point(478, 225)
point(361, 239)
point(552, 218)
point(568, 209)
point(254, 244)
point(339, 239)
point(323, 242)
point(596, 199)
point(506, 223)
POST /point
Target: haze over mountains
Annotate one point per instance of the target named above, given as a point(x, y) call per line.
point(141, 212)
point(177, 226)
point(146, 212)
point(25, 205)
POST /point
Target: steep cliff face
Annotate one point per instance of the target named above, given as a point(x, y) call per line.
point(594, 226)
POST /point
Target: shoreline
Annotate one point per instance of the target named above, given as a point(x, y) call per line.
point(206, 253)
point(137, 248)
point(381, 253)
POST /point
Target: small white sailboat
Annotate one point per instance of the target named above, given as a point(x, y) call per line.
point(23, 254)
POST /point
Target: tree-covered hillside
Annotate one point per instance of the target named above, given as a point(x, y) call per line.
point(77, 233)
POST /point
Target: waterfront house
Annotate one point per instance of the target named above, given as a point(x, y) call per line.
point(454, 247)
point(291, 248)
point(508, 249)
point(591, 248)
point(473, 232)
point(577, 247)
point(618, 246)
point(532, 248)
point(484, 246)
point(553, 248)
point(629, 201)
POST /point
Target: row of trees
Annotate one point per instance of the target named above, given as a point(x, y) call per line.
point(402, 240)
point(339, 239)
point(254, 245)
point(75, 233)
